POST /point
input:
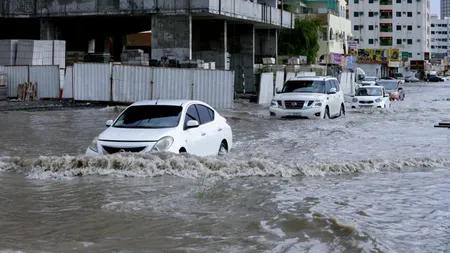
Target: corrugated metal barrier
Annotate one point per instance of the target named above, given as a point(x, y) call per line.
point(68, 83)
point(134, 83)
point(92, 82)
point(47, 78)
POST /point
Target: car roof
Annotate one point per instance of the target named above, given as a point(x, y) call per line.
point(321, 78)
point(175, 102)
point(371, 86)
point(388, 80)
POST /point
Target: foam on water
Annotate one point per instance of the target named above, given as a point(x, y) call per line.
point(187, 166)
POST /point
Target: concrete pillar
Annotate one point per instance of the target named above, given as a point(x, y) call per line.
point(241, 46)
point(172, 36)
point(209, 42)
point(266, 44)
point(49, 31)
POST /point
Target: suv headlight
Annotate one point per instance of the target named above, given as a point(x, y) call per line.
point(318, 103)
point(355, 100)
point(378, 100)
point(274, 103)
point(163, 144)
point(94, 146)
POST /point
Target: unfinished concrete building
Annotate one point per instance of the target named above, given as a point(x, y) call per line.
point(232, 33)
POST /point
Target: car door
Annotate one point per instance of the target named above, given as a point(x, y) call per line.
point(211, 130)
point(332, 99)
point(339, 94)
point(195, 137)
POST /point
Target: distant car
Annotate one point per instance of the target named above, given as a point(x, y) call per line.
point(371, 97)
point(436, 79)
point(177, 126)
point(310, 97)
point(393, 88)
point(412, 79)
point(369, 80)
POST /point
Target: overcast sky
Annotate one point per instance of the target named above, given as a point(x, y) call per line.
point(435, 6)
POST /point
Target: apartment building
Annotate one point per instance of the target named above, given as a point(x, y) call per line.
point(387, 24)
point(440, 37)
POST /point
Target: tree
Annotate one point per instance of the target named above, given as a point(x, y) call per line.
point(302, 40)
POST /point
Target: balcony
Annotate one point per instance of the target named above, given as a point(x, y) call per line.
point(385, 2)
point(386, 41)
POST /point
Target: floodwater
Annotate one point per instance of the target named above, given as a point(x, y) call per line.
point(372, 181)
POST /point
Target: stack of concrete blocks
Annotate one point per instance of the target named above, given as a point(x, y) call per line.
point(209, 65)
point(135, 57)
point(8, 51)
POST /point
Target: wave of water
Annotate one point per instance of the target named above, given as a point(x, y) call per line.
point(187, 166)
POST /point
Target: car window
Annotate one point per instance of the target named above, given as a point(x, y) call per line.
point(338, 87)
point(149, 116)
point(204, 114)
point(191, 114)
point(328, 85)
point(304, 86)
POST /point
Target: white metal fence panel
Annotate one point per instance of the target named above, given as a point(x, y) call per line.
point(16, 76)
point(266, 88)
point(68, 83)
point(215, 87)
point(279, 79)
point(172, 83)
point(92, 81)
point(132, 83)
point(47, 78)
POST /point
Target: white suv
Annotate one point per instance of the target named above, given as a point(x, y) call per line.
point(308, 97)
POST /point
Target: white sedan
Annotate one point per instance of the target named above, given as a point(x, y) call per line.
point(371, 97)
point(176, 126)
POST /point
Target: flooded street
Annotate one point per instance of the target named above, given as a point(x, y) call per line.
point(371, 181)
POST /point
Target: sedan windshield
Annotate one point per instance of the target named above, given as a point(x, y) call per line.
point(388, 85)
point(304, 86)
point(369, 92)
point(370, 78)
point(149, 116)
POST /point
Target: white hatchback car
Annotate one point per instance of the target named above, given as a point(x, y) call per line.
point(371, 97)
point(310, 97)
point(176, 126)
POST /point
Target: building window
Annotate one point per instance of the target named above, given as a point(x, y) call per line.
point(398, 14)
point(370, 27)
point(356, 27)
point(398, 28)
point(432, 25)
point(371, 41)
point(356, 1)
point(399, 41)
point(418, 26)
point(356, 40)
point(410, 28)
point(370, 1)
point(409, 14)
point(356, 14)
point(418, 13)
point(370, 14)
point(409, 1)
point(398, 1)
point(409, 41)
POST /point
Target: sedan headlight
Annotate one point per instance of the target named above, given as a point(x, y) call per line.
point(378, 100)
point(394, 93)
point(355, 100)
point(94, 146)
point(274, 103)
point(163, 144)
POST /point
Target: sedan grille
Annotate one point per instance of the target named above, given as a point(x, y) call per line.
point(112, 150)
point(366, 102)
point(294, 104)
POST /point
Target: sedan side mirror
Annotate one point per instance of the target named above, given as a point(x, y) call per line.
point(278, 90)
point(109, 123)
point(192, 124)
point(332, 91)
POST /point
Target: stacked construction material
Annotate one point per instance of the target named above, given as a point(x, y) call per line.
point(41, 52)
point(135, 57)
point(8, 50)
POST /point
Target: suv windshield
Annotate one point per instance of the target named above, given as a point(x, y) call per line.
point(304, 86)
point(149, 116)
point(388, 85)
point(369, 92)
